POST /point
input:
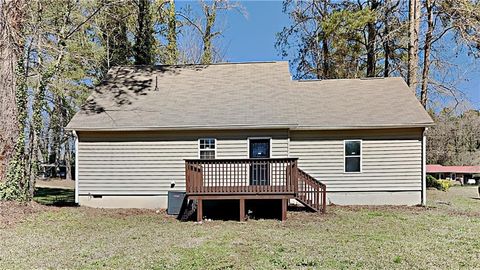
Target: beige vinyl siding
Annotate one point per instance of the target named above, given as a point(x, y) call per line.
point(132, 167)
point(231, 148)
point(279, 147)
point(145, 163)
point(391, 159)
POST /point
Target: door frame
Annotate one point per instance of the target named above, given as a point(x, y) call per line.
point(259, 138)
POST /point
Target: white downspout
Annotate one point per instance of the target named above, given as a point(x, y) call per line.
point(76, 166)
point(424, 168)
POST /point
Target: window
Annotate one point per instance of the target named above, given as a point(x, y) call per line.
point(353, 156)
point(206, 148)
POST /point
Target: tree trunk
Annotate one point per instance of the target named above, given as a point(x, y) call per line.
point(211, 16)
point(11, 19)
point(325, 50)
point(386, 49)
point(386, 40)
point(326, 58)
point(172, 50)
point(414, 28)
point(427, 50)
point(371, 42)
point(68, 159)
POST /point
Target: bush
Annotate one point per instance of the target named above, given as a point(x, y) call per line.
point(445, 184)
point(432, 181)
point(441, 184)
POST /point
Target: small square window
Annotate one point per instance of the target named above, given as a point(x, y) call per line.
point(206, 148)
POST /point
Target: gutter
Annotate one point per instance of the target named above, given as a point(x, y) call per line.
point(233, 127)
point(76, 166)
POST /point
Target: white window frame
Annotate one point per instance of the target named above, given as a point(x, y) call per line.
point(258, 138)
point(345, 156)
point(214, 150)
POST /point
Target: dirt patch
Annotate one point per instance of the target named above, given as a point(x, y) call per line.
point(397, 208)
point(120, 213)
point(15, 212)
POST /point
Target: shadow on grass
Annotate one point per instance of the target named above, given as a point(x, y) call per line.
point(230, 209)
point(55, 196)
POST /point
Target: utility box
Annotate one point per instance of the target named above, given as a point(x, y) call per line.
point(175, 202)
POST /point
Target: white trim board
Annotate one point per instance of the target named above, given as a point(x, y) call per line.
point(76, 167)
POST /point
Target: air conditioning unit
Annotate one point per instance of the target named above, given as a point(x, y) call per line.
point(175, 202)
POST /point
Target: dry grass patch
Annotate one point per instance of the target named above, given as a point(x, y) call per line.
point(344, 238)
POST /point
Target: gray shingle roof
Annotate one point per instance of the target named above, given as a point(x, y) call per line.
point(243, 95)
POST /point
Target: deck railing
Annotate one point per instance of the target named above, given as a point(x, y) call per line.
point(241, 176)
point(311, 192)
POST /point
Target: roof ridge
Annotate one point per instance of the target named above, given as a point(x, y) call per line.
point(212, 64)
point(348, 79)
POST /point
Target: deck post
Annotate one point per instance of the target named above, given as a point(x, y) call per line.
point(199, 210)
point(324, 199)
point(284, 209)
point(242, 209)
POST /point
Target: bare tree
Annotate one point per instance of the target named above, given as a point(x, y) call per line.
point(413, 48)
point(427, 47)
point(206, 26)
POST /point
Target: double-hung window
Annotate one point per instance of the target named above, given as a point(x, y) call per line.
point(353, 155)
point(207, 148)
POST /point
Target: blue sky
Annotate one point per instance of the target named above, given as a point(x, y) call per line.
point(252, 38)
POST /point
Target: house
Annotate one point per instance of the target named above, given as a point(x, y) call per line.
point(463, 174)
point(248, 131)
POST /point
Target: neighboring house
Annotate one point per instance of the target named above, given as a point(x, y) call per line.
point(463, 174)
point(248, 131)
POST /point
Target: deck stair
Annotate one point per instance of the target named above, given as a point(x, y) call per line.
point(311, 192)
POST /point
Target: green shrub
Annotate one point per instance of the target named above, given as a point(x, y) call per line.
point(8, 192)
point(432, 181)
point(445, 184)
point(440, 184)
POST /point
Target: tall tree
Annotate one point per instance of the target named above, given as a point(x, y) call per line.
point(12, 16)
point(205, 26)
point(332, 38)
point(113, 29)
point(372, 33)
point(447, 22)
point(60, 59)
point(307, 32)
point(143, 50)
point(427, 48)
point(390, 34)
point(208, 34)
point(171, 21)
point(413, 47)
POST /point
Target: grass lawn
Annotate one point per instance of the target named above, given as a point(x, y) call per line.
point(446, 235)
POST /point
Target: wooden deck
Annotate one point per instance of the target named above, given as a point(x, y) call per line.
point(247, 179)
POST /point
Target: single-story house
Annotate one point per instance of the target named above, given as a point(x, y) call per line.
point(463, 174)
point(248, 131)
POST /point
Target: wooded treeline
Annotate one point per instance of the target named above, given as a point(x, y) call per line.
point(419, 40)
point(380, 38)
point(54, 51)
point(455, 138)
